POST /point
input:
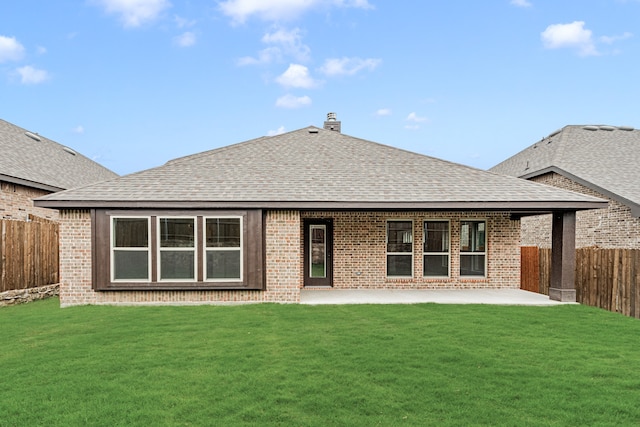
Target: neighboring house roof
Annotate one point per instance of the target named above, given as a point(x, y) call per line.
point(603, 158)
point(32, 160)
point(313, 168)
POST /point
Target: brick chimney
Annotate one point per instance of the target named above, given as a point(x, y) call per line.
point(332, 123)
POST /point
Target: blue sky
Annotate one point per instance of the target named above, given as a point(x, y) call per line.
point(135, 83)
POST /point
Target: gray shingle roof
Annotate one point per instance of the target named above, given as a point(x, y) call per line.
point(44, 163)
point(604, 158)
point(313, 167)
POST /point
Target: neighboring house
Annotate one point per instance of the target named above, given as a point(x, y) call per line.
point(312, 208)
point(601, 161)
point(32, 166)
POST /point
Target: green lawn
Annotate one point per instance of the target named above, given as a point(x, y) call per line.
point(358, 365)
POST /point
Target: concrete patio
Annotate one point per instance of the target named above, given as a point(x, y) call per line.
point(449, 296)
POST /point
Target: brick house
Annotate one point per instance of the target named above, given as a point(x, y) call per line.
point(313, 208)
point(32, 166)
point(600, 161)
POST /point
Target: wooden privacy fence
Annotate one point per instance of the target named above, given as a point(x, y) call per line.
point(605, 278)
point(28, 253)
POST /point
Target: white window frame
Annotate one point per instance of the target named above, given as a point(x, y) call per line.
point(485, 253)
point(387, 253)
point(113, 248)
point(240, 249)
point(160, 249)
point(424, 239)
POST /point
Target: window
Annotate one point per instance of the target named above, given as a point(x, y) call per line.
point(318, 251)
point(177, 250)
point(399, 248)
point(223, 240)
point(177, 259)
point(130, 249)
point(436, 249)
point(472, 248)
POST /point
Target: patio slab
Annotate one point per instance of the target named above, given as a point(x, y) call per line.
point(448, 296)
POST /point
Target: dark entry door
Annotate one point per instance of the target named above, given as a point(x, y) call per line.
point(318, 252)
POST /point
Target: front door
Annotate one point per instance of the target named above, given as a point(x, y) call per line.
point(318, 252)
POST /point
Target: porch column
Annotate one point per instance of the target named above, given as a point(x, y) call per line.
point(563, 257)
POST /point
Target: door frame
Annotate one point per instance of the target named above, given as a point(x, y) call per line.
point(326, 281)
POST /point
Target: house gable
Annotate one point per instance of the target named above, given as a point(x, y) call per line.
point(32, 160)
point(602, 158)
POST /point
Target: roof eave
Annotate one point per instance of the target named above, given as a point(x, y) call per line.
point(31, 184)
point(635, 207)
point(530, 207)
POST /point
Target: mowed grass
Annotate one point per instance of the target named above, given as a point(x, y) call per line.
point(350, 365)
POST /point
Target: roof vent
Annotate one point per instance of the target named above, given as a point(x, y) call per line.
point(313, 130)
point(34, 136)
point(592, 128)
point(554, 133)
point(626, 128)
point(332, 123)
point(69, 150)
point(607, 128)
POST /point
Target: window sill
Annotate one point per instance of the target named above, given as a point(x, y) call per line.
point(177, 286)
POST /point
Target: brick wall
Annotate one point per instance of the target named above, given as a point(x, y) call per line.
point(609, 228)
point(283, 257)
point(359, 258)
point(359, 250)
point(16, 202)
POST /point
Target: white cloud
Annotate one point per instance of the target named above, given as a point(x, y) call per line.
point(134, 13)
point(183, 22)
point(297, 76)
point(572, 35)
point(278, 131)
point(78, 129)
point(282, 43)
point(32, 76)
point(521, 3)
point(291, 101)
point(265, 56)
point(383, 112)
point(10, 49)
point(290, 42)
point(41, 50)
point(413, 117)
point(613, 39)
point(280, 10)
point(348, 66)
point(185, 39)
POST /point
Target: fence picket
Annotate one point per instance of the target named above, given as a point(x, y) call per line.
point(605, 278)
point(28, 254)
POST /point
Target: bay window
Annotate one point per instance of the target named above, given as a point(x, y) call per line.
point(164, 249)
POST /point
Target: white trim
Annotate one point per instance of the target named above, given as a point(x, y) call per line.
point(206, 249)
point(448, 253)
point(113, 248)
point(485, 252)
point(160, 249)
point(387, 253)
